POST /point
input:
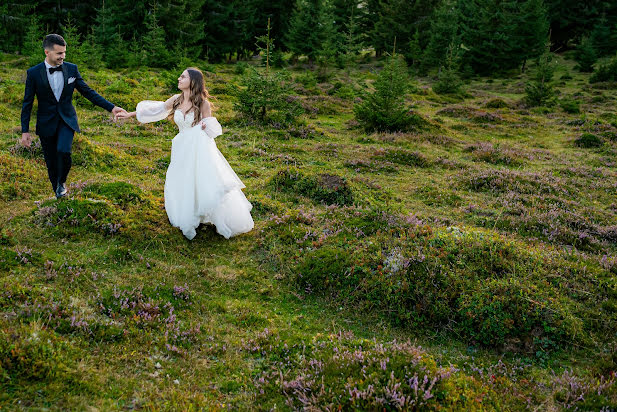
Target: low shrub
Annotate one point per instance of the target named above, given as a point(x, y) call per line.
point(326, 188)
point(78, 216)
point(588, 140)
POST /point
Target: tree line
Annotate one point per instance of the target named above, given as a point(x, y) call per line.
point(480, 36)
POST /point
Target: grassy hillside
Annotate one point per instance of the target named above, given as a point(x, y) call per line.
point(470, 265)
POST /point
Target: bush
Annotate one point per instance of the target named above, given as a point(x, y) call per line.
point(385, 109)
point(570, 106)
point(504, 310)
point(265, 98)
point(240, 67)
point(540, 91)
point(448, 278)
point(588, 140)
point(403, 157)
point(448, 80)
point(75, 216)
point(28, 355)
point(496, 103)
point(586, 55)
point(606, 72)
point(323, 269)
point(326, 188)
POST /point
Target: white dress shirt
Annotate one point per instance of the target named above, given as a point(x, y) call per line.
point(56, 80)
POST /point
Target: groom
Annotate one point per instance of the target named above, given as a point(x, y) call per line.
point(53, 82)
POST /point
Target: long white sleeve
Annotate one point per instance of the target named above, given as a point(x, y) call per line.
point(151, 111)
point(213, 127)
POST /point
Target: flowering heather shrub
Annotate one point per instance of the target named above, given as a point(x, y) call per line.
point(495, 154)
point(78, 216)
point(548, 214)
point(342, 372)
point(33, 305)
point(450, 279)
point(326, 188)
point(138, 309)
point(583, 393)
point(33, 152)
point(500, 181)
point(402, 157)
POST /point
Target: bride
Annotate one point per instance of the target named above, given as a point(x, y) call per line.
point(200, 186)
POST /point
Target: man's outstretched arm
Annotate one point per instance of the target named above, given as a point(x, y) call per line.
point(94, 97)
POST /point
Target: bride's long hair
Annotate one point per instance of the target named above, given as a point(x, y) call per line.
point(198, 94)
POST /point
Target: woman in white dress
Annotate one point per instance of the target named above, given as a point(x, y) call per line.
point(200, 186)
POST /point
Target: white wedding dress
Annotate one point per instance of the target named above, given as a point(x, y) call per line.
point(200, 186)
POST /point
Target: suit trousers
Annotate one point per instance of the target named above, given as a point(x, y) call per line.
point(57, 152)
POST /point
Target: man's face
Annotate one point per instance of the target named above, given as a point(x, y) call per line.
point(55, 56)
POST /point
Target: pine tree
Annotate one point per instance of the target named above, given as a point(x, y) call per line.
point(571, 19)
point(14, 22)
point(448, 80)
point(264, 98)
point(347, 16)
point(91, 51)
point(350, 40)
point(33, 41)
point(501, 34)
point(400, 19)
point(415, 50)
point(443, 32)
point(74, 49)
point(586, 55)
point(487, 28)
point(385, 108)
point(531, 30)
point(540, 90)
point(155, 48)
point(182, 24)
point(604, 37)
point(309, 29)
point(221, 36)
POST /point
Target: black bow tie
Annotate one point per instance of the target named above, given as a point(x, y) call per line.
point(55, 69)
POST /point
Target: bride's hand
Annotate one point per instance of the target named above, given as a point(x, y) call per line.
point(125, 115)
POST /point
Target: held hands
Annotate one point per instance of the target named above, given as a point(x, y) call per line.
point(120, 113)
point(124, 115)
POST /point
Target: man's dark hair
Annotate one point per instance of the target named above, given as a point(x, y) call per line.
point(52, 39)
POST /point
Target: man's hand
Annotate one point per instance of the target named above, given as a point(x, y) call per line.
point(117, 111)
point(26, 139)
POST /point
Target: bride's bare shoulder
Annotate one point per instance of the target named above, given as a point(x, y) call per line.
point(206, 110)
point(169, 102)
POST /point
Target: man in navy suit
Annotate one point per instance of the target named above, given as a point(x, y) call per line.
point(53, 82)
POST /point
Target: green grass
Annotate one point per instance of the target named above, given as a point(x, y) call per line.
point(476, 255)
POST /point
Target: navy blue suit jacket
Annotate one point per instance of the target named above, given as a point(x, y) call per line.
point(50, 110)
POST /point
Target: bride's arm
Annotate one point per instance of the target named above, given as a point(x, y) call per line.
point(209, 124)
point(153, 111)
point(150, 109)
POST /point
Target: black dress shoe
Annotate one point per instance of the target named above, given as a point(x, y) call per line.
point(61, 190)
